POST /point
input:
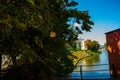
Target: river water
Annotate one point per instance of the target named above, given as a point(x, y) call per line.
point(94, 67)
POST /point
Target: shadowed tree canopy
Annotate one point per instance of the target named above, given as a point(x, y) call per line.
point(92, 45)
point(37, 31)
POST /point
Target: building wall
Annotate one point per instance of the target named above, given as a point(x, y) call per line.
point(113, 46)
point(83, 45)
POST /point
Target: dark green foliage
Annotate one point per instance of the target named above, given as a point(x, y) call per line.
point(92, 45)
point(29, 71)
point(95, 46)
point(25, 27)
point(105, 45)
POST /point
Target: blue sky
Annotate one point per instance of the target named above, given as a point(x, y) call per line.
point(104, 13)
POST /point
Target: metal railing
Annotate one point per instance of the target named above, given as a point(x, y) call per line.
point(100, 71)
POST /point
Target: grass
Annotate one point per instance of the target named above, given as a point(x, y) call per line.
point(78, 55)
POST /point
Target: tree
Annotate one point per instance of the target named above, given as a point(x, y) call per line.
point(95, 46)
point(88, 44)
point(92, 45)
point(105, 45)
point(26, 27)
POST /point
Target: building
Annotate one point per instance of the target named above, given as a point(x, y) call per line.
point(83, 45)
point(113, 46)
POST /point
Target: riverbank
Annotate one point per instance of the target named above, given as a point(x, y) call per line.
point(79, 55)
point(96, 64)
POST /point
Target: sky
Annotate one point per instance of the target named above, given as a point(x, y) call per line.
point(104, 13)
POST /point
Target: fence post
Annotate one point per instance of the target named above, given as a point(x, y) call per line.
point(81, 72)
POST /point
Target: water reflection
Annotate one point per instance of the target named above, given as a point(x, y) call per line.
point(91, 60)
point(94, 60)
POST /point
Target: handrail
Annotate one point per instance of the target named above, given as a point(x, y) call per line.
point(93, 65)
point(92, 70)
point(81, 71)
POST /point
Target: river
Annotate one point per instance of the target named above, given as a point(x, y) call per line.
point(93, 63)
